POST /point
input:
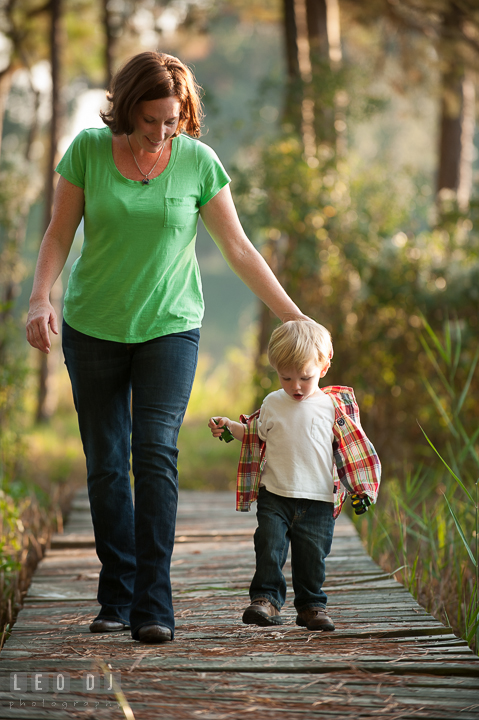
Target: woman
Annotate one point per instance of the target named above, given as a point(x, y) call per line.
point(132, 313)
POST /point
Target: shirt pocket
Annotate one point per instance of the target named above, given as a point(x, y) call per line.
point(179, 211)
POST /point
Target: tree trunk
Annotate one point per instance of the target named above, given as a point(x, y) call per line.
point(13, 241)
point(290, 40)
point(450, 131)
point(321, 73)
point(292, 121)
point(5, 85)
point(317, 21)
point(293, 85)
point(456, 136)
point(464, 188)
point(45, 402)
point(310, 112)
point(456, 128)
point(109, 43)
point(33, 130)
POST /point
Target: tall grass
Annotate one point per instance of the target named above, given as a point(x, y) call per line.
point(425, 527)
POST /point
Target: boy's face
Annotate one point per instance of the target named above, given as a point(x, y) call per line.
point(302, 384)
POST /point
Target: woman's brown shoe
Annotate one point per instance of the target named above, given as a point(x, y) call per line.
point(154, 634)
point(104, 626)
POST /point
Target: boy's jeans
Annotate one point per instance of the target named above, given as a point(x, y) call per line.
point(134, 545)
point(309, 526)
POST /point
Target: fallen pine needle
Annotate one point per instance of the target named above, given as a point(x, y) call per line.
point(121, 699)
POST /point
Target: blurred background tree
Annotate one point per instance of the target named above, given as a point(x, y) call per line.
point(363, 247)
point(349, 130)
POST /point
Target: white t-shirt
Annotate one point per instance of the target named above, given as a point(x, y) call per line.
point(299, 445)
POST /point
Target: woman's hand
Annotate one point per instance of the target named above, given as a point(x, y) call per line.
point(66, 216)
point(40, 316)
point(292, 316)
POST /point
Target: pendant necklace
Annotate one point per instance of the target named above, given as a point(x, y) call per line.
point(146, 179)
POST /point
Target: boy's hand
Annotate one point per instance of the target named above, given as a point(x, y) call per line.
point(360, 503)
point(217, 425)
point(226, 429)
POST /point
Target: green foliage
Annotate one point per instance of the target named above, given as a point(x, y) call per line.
point(17, 502)
point(359, 245)
point(364, 251)
point(10, 525)
point(13, 209)
point(83, 52)
point(204, 463)
point(15, 200)
point(425, 527)
point(25, 24)
point(351, 246)
point(224, 388)
point(12, 453)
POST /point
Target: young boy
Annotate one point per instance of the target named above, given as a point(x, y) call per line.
point(295, 452)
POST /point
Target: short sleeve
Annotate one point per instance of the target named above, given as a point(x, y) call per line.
point(72, 166)
point(212, 173)
point(264, 422)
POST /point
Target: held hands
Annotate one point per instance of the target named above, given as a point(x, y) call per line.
point(287, 317)
point(40, 316)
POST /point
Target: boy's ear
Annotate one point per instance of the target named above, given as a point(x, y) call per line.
point(325, 368)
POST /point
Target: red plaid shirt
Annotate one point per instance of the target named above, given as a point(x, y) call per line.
point(356, 465)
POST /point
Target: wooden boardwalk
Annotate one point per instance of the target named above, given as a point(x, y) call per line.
point(388, 658)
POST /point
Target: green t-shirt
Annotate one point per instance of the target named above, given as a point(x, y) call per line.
point(137, 277)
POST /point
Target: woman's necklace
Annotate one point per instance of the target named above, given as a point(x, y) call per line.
point(146, 179)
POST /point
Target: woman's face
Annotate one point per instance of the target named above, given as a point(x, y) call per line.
point(156, 121)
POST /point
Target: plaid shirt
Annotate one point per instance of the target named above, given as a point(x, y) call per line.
point(356, 464)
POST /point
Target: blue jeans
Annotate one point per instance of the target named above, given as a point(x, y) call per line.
point(308, 525)
point(132, 397)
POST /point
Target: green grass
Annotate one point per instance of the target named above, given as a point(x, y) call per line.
point(425, 527)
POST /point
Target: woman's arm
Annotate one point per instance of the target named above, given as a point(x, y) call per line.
point(56, 244)
point(221, 220)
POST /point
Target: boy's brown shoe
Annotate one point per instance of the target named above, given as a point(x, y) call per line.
point(261, 612)
point(314, 619)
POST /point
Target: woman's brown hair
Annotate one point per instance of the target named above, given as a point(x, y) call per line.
point(152, 76)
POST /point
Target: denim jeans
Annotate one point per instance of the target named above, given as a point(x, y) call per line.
point(308, 525)
point(132, 397)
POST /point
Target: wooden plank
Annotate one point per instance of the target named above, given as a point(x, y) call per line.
point(388, 657)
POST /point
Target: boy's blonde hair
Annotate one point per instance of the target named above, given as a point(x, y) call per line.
point(297, 342)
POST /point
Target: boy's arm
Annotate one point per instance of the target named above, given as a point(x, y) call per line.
point(235, 428)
